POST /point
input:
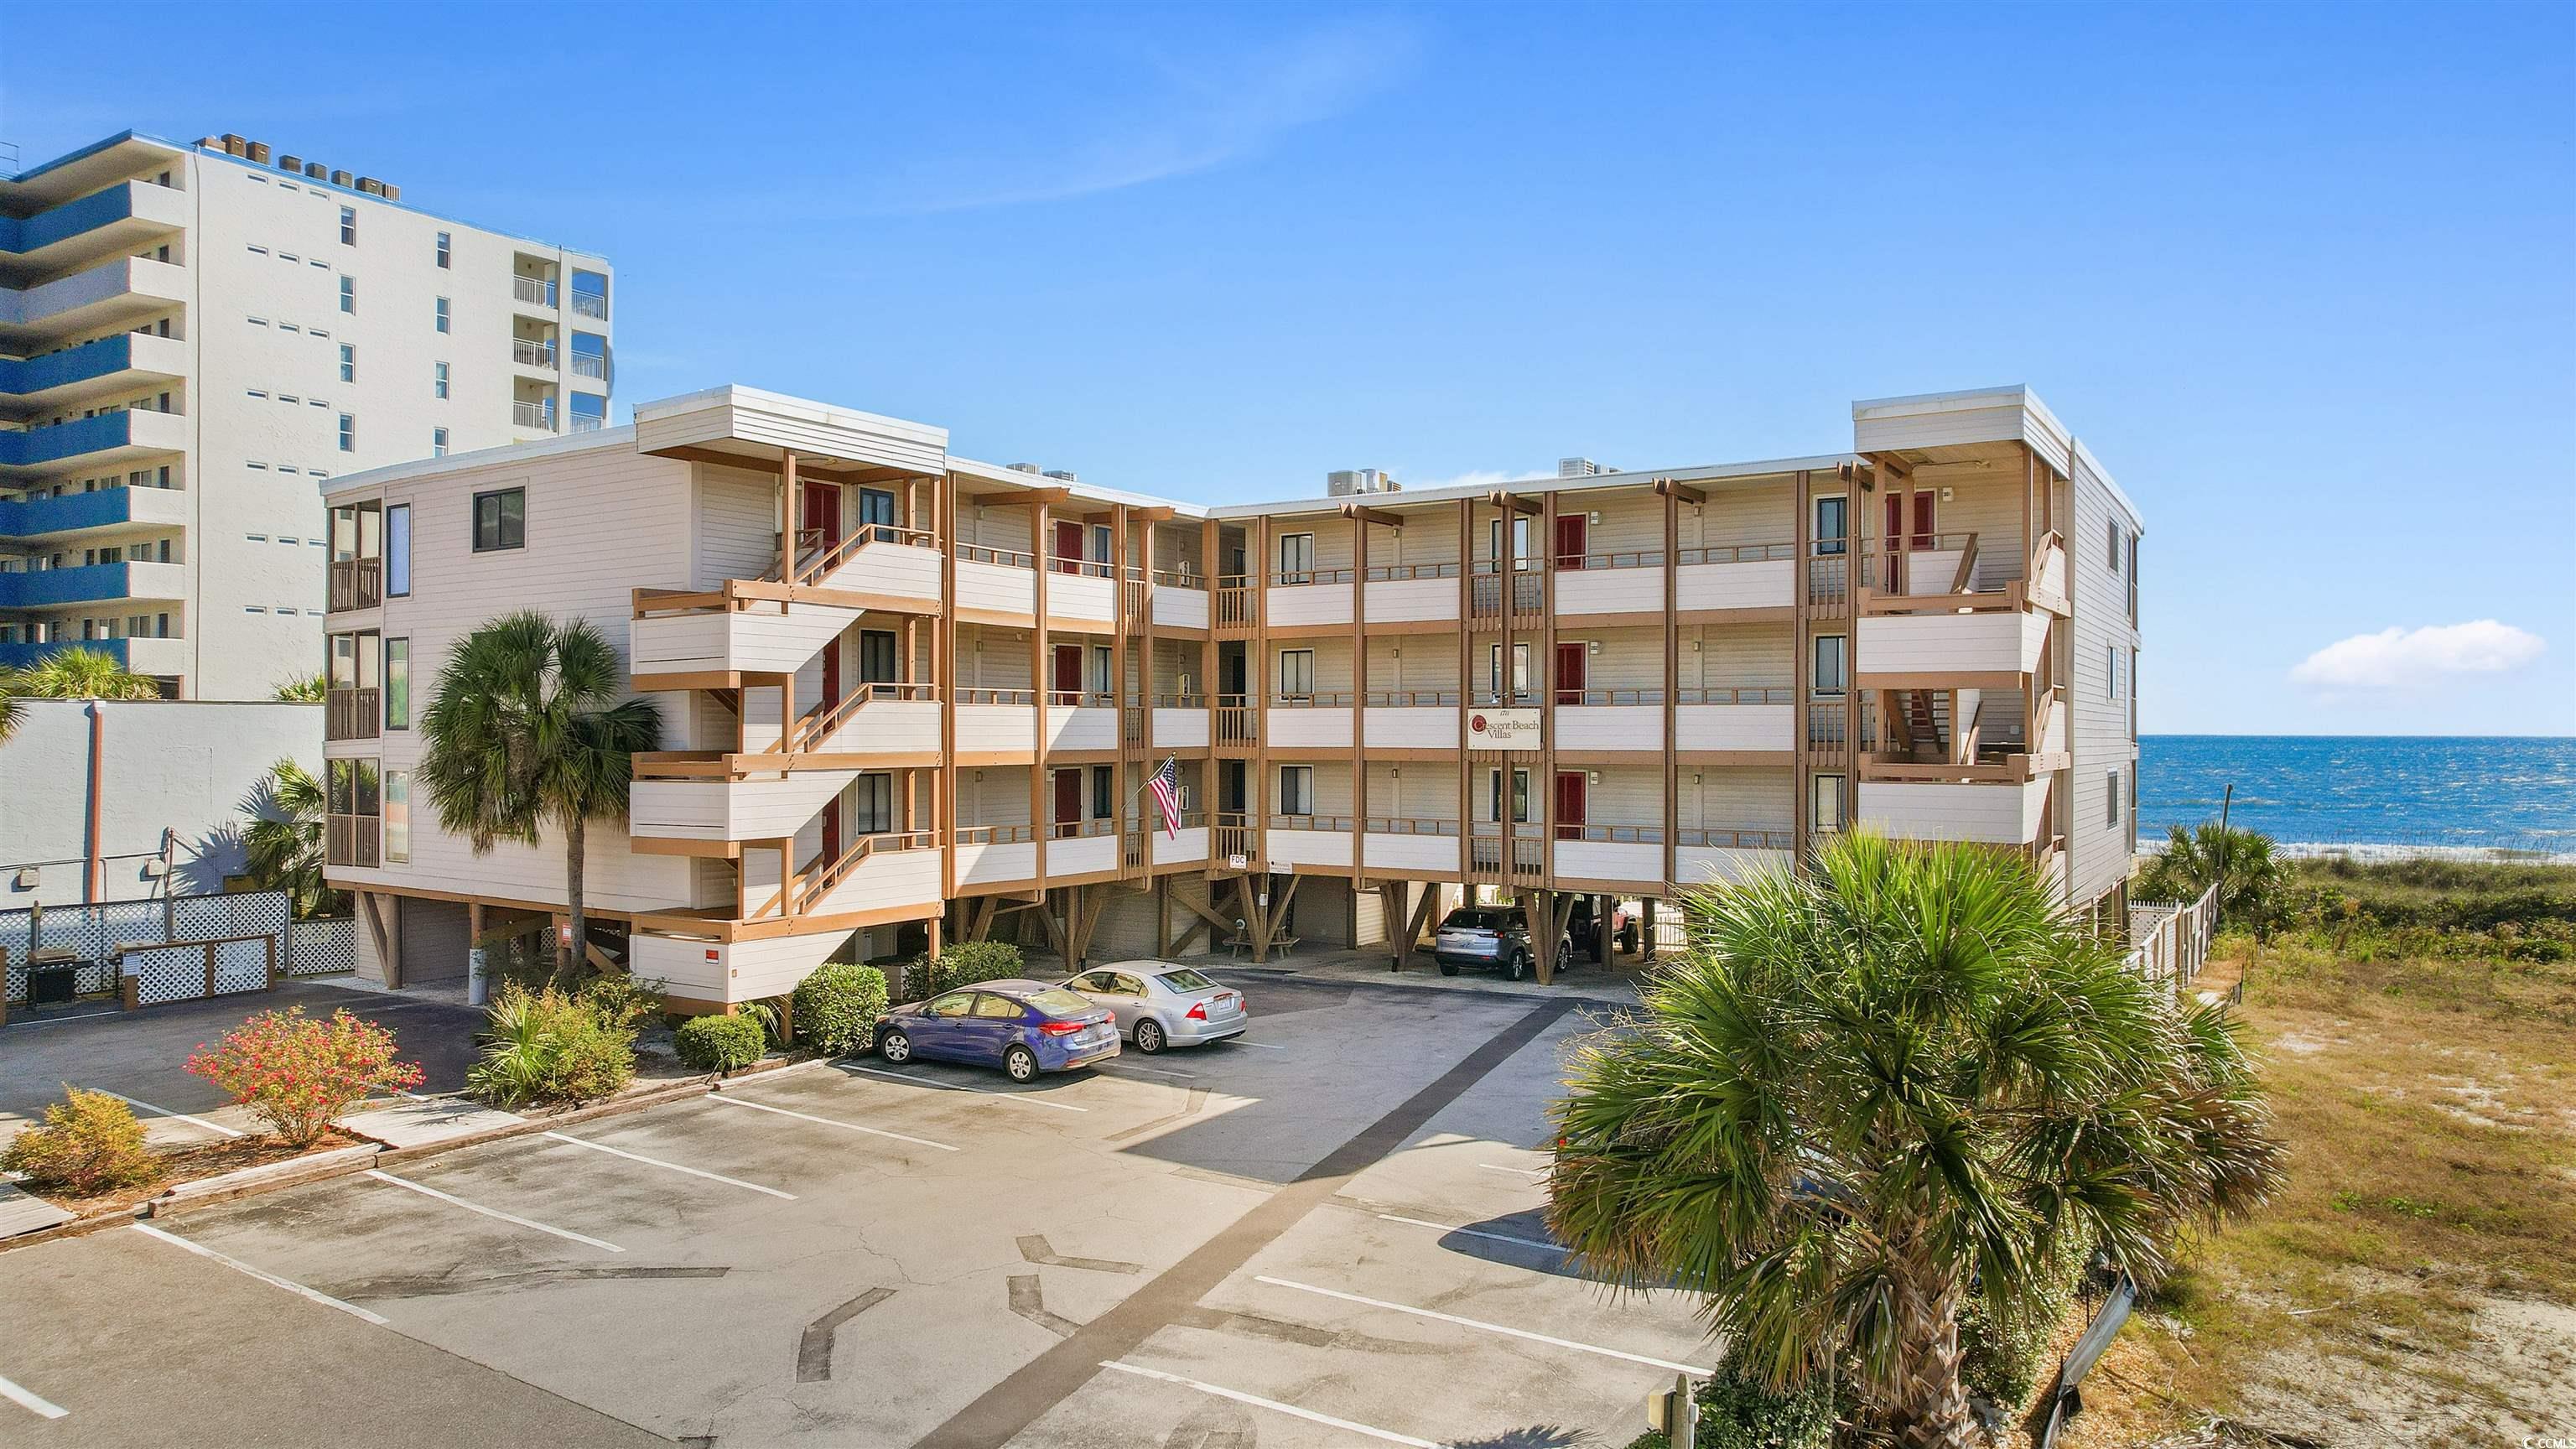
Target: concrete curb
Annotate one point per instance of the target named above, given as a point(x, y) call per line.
point(252, 1181)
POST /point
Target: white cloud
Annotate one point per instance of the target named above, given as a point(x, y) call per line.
point(1472, 478)
point(2395, 658)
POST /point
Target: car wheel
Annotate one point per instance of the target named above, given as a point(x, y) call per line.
point(895, 1047)
point(1020, 1063)
point(1564, 952)
point(1149, 1036)
point(1518, 966)
point(1448, 968)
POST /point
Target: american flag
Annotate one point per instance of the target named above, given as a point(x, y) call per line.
point(1166, 783)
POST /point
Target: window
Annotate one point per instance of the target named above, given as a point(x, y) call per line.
point(348, 226)
point(348, 362)
point(876, 505)
point(877, 656)
point(1103, 666)
point(1825, 797)
point(872, 804)
point(1104, 793)
point(440, 253)
point(442, 314)
point(1296, 675)
point(2111, 798)
point(1494, 672)
point(348, 293)
point(2111, 671)
point(438, 379)
point(500, 519)
point(1297, 790)
point(1833, 526)
point(2133, 578)
point(1833, 665)
point(2133, 696)
point(398, 684)
point(348, 432)
point(397, 550)
point(1520, 541)
point(2114, 527)
point(1296, 558)
point(590, 413)
point(438, 442)
point(1520, 799)
point(1104, 544)
point(397, 817)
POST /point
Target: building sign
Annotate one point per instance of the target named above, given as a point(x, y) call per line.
point(1502, 729)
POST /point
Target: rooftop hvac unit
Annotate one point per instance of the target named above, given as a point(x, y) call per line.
point(392, 192)
point(259, 152)
point(371, 186)
point(341, 178)
point(1022, 467)
point(1344, 482)
point(290, 163)
point(1581, 468)
point(1064, 475)
point(316, 170)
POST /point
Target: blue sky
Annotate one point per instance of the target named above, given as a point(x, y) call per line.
point(2301, 276)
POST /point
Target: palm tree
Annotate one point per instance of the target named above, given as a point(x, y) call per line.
point(283, 845)
point(1871, 1093)
point(525, 730)
point(83, 674)
point(2240, 863)
point(303, 689)
point(10, 710)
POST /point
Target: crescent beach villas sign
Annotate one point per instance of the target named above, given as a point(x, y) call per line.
point(1502, 729)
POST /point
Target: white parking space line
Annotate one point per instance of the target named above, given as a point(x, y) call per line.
point(166, 1112)
point(271, 1279)
point(672, 1166)
point(33, 1403)
point(491, 1212)
point(1384, 1436)
point(1149, 1071)
point(960, 1087)
point(1475, 1233)
point(828, 1122)
point(1480, 1324)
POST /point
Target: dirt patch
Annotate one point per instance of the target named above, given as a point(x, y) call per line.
point(193, 1162)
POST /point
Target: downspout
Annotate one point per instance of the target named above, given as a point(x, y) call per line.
point(97, 891)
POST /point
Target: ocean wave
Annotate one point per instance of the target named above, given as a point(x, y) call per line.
point(2373, 851)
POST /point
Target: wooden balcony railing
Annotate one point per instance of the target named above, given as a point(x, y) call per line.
point(1009, 558)
point(357, 583)
point(995, 834)
point(1611, 834)
point(1318, 699)
point(812, 889)
point(1398, 825)
point(1737, 694)
point(997, 696)
point(1412, 699)
point(1294, 578)
point(1739, 553)
point(1237, 722)
point(1520, 855)
point(353, 714)
point(814, 728)
point(1329, 824)
point(1080, 829)
point(1236, 605)
point(1738, 839)
point(1230, 836)
point(816, 557)
point(353, 840)
point(1391, 573)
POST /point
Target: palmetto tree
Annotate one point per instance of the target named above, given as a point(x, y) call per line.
point(282, 847)
point(1871, 1093)
point(2239, 862)
point(303, 689)
point(82, 674)
point(10, 710)
point(525, 730)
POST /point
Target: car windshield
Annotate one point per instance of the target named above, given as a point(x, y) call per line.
point(1475, 921)
point(1056, 1001)
point(1186, 979)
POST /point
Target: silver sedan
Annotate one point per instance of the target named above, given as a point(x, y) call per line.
point(1159, 1004)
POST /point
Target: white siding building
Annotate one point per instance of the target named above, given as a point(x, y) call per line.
point(194, 339)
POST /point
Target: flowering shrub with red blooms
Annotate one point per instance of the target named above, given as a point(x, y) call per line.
point(298, 1073)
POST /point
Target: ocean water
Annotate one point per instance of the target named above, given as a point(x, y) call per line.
point(2371, 795)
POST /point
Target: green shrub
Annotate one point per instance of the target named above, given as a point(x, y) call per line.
point(720, 1043)
point(556, 1046)
point(968, 962)
point(89, 1143)
point(2003, 1362)
point(1737, 1412)
point(836, 1008)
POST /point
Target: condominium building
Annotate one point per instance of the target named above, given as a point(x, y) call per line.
point(909, 698)
point(194, 339)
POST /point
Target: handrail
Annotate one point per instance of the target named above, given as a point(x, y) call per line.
point(1082, 698)
point(1612, 834)
point(1312, 699)
point(839, 553)
point(1412, 699)
point(1739, 553)
point(1083, 567)
point(1609, 696)
point(1178, 579)
point(1648, 558)
point(1738, 694)
point(1180, 701)
point(818, 725)
point(886, 842)
point(1080, 829)
point(1297, 578)
point(1390, 825)
point(1340, 823)
point(540, 290)
point(995, 834)
point(1739, 839)
point(1392, 573)
point(531, 353)
point(1009, 558)
point(997, 696)
point(1967, 569)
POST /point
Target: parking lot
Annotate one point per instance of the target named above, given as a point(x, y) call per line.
point(1325, 1233)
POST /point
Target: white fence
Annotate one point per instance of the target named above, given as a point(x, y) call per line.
point(167, 943)
point(2169, 942)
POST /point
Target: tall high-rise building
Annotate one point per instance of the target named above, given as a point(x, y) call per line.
point(194, 339)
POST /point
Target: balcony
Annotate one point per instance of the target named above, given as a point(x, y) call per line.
point(726, 632)
point(996, 585)
point(73, 514)
point(1180, 722)
point(1310, 721)
point(111, 367)
point(1081, 593)
point(1318, 840)
point(537, 292)
point(1985, 647)
point(1964, 572)
point(1397, 845)
point(879, 559)
point(92, 584)
point(1631, 856)
point(1993, 813)
point(1087, 848)
point(538, 416)
point(353, 840)
point(709, 798)
point(1079, 721)
point(590, 304)
point(997, 725)
point(1741, 576)
point(1515, 852)
point(110, 440)
point(353, 714)
point(1188, 845)
point(1306, 600)
point(112, 294)
point(1730, 856)
point(876, 720)
point(120, 218)
point(592, 365)
point(1411, 593)
point(532, 354)
point(357, 583)
point(1411, 719)
point(1742, 718)
point(1180, 601)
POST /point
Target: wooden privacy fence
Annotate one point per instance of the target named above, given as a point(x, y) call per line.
point(172, 948)
point(2170, 942)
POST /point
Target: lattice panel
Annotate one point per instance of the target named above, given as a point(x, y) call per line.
point(13, 984)
point(207, 918)
point(168, 973)
point(242, 965)
point(322, 948)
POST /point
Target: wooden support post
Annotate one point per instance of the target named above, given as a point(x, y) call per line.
point(1538, 911)
point(1645, 930)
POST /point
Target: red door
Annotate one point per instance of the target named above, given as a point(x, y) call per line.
point(1892, 539)
point(1068, 674)
point(1569, 673)
point(1068, 547)
point(1569, 805)
point(832, 831)
point(1925, 533)
point(831, 674)
point(819, 517)
point(1573, 535)
point(1068, 798)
